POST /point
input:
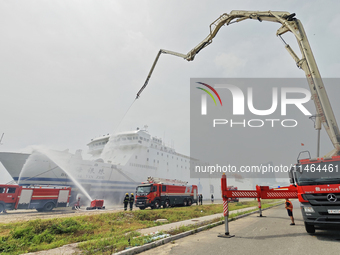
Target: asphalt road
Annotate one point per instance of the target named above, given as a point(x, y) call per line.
point(255, 235)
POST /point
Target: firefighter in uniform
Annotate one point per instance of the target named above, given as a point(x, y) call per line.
point(126, 201)
point(200, 199)
point(132, 199)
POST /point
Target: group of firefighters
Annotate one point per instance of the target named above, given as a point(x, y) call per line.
point(128, 200)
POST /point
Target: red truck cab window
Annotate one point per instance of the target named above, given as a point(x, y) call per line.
point(11, 190)
point(2, 190)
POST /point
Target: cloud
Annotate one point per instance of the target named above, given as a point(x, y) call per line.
point(230, 64)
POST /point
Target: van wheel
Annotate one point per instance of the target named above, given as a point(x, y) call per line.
point(48, 207)
point(189, 202)
point(309, 228)
point(166, 204)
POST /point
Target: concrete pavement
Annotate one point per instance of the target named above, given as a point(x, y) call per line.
point(255, 235)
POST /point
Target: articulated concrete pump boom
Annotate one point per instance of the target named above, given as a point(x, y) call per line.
point(324, 112)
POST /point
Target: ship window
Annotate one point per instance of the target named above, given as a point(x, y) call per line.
point(2, 190)
point(11, 190)
point(147, 159)
point(141, 138)
point(162, 154)
point(148, 149)
point(164, 188)
point(130, 138)
point(136, 157)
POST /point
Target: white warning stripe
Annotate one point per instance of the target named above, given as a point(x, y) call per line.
point(281, 194)
point(176, 194)
point(47, 196)
point(243, 193)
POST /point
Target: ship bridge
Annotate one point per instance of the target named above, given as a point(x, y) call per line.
point(121, 140)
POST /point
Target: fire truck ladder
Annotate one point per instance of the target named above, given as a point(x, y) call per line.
point(165, 181)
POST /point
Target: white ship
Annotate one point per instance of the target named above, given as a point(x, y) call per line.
point(118, 165)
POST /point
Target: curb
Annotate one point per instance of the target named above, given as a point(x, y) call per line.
point(166, 240)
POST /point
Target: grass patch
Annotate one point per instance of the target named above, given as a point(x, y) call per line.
point(106, 233)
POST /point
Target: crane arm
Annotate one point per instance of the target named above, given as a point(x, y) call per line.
point(307, 62)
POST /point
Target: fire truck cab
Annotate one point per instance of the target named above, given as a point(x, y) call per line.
point(157, 192)
point(318, 185)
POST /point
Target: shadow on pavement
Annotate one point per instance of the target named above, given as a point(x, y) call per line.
point(331, 235)
point(272, 236)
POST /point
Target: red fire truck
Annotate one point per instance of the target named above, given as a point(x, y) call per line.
point(42, 198)
point(234, 199)
point(157, 192)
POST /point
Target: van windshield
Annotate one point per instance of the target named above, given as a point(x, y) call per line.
point(143, 189)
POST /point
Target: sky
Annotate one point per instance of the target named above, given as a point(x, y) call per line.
point(70, 70)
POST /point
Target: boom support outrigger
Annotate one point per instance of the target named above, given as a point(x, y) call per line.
point(324, 112)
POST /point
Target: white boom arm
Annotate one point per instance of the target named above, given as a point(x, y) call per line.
point(307, 62)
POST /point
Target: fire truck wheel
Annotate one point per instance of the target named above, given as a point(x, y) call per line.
point(1, 208)
point(185, 202)
point(48, 207)
point(166, 204)
point(189, 202)
point(309, 228)
point(157, 204)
